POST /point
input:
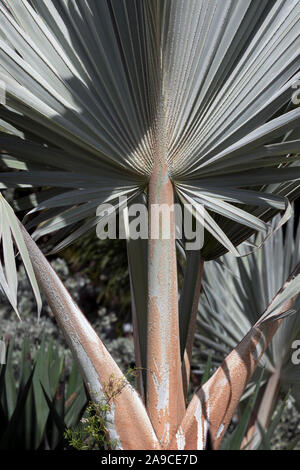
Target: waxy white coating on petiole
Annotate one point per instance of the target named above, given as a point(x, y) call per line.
point(162, 383)
point(220, 431)
point(180, 439)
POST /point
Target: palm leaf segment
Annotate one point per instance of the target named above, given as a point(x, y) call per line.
point(10, 235)
point(90, 86)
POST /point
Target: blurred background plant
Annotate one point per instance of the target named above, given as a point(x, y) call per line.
point(39, 399)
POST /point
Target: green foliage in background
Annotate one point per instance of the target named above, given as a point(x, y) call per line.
point(38, 401)
point(105, 263)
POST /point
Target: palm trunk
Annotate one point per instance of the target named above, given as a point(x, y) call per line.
point(165, 400)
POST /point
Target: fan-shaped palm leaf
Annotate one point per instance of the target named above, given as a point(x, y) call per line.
point(88, 79)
